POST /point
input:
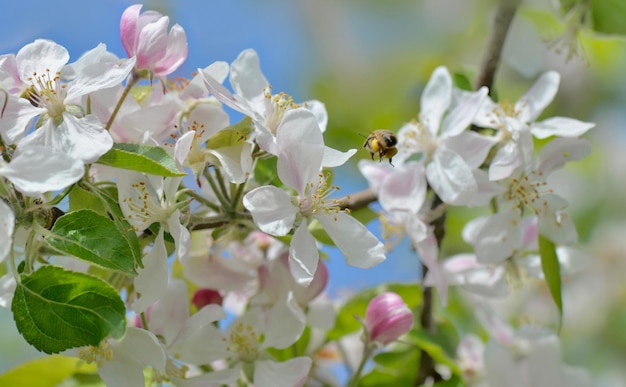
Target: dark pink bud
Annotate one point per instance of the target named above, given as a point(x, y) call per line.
point(387, 318)
point(204, 297)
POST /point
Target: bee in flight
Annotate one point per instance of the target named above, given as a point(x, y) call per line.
point(382, 142)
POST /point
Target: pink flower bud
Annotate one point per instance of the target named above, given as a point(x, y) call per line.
point(387, 318)
point(145, 36)
point(204, 297)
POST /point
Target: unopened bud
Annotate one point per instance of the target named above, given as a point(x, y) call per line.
point(387, 318)
point(204, 297)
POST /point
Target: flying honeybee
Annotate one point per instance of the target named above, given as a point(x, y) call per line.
point(382, 142)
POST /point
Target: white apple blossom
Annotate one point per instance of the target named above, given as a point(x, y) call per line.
point(300, 150)
point(63, 125)
point(516, 122)
point(253, 97)
point(122, 362)
point(449, 152)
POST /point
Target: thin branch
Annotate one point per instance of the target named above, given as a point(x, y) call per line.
point(493, 53)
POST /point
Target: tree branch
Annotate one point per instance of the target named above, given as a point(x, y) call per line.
point(493, 53)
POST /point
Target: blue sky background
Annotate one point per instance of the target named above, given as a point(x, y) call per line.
point(216, 30)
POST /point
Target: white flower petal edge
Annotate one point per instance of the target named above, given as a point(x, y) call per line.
point(271, 209)
point(560, 127)
point(451, 178)
point(436, 99)
point(38, 169)
point(7, 224)
point(538, 96)
point(293, 372)
point(151, 280)
point(303, 255)
point(285, 323)
point(358, 245)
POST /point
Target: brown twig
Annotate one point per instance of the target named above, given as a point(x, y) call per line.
point(493, 53)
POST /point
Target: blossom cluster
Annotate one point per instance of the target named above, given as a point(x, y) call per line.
point(232, 212)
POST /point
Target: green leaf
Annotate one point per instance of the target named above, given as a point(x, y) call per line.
point(609, 16)
point(55, 309)
point(94, 238)
point(231, 135)
point(552, 272)
point(346, 321)
point(462, 82)
point(265, 172)
point(115, 212)
point(153, 160)
point(48, 371)
point(379, 377)
point(80, 199)
point(429, 344)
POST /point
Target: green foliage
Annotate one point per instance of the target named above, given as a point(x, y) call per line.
point(81, 198)
point(347, 322)
point(609, 16)
point(153, 160)
point(87, 235)
point(552, 272)
point(56, 309)
point(232, 135)
point(265, 172)
point(48, 371)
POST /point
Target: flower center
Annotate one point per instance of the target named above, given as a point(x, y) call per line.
point(316, 198)
point(47, 91)
point(243, 343)
point(524, 192)
point(144, 208)
point(98, 355)
point(275, 107)
point(418, 139)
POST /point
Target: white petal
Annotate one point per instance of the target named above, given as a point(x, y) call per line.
point(486, 189)
point(300, 149)
point(358, 245)
point(560, 151)
point(42, 57)
point(37, 169)
point(303, 255)
point(538, 96)
point(554, 222)
point(84, 139)
point(321, 313)
point(182, 147)
point(560, 127)
point(485, 118)
point(7, 225)
point(291, 373)
point(450, 177)
point(461, 115)
point(216, 88)
point(226, 377)
point(98, 76)
point(151, 280)
point(319, 109)
point(375, 173)
point(498, 239)
point(428, 251)
point(144, 347)
point(196, 88)
point(471, 146)
point(199, 340)
point(16, 118)
point(404, 188)
point(167, 316)
point(212, 117)
point(236, 161)
point(8, 285)
point(271, 209)
point(216, 272)
point(505, 162)
point(334, 158)
point(436, 98)
point(285, 323)
point(248, 80)
point(181, 235)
